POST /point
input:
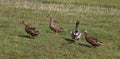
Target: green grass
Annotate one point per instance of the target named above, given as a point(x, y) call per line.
point(100, 22)
point(104, 3)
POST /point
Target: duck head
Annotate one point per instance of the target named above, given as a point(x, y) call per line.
point(77, 24)
point(85, 31)
point(25, 23)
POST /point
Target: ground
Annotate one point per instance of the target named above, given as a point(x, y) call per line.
point(100, 17)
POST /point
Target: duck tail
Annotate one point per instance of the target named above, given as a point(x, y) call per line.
point(102, 44)
point(36, 33)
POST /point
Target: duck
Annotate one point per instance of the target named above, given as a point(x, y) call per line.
point(30, 30)
point(76, 34)
point(54, 26)
point(92, 40)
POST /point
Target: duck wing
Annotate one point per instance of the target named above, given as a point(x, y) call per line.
point(94, 41)
point(32, 30)
point(56, 27)
point(94, 38)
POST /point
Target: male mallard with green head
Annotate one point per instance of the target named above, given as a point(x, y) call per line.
point(30, 30)
point(92, 40)
point(54, 27)
point(75, 34)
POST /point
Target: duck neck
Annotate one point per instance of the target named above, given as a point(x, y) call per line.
point(76, 28)
point(26, 26)
point(86, 34)
point(51, 21)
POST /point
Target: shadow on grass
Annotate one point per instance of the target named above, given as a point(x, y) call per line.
point(70, 41)
point(81, 44)
point(25, 36)
point(67, 39)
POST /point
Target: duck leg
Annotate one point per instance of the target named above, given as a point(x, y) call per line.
point(31, 37)
point(73, 38)
point(56, 33)
point(93, 46)
point(78, 39)
point(90, 46)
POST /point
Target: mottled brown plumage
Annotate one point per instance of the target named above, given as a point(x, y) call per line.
point(30, 30)
point(54, 27)
point(92, 40)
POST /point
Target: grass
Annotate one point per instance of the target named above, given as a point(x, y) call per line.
point(103, 3)
point(100, 22)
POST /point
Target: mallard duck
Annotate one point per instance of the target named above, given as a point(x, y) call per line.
point(92, 40)
point(54, 26)
point(75, 34)
point(30, 30)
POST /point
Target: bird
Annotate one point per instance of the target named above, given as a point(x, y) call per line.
point(76, 34)
point(54, 26)
point(92, 40)
point(30, 30)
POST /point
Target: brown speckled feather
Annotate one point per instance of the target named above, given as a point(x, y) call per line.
point(53, 26)
point(30, 30)
point(92, 40)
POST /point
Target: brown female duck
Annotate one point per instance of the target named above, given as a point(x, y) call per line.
point(92, 40)
point(54, 27)
point(30, 30)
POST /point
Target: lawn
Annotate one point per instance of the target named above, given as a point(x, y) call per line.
point(103, 3)
point(101, 22)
